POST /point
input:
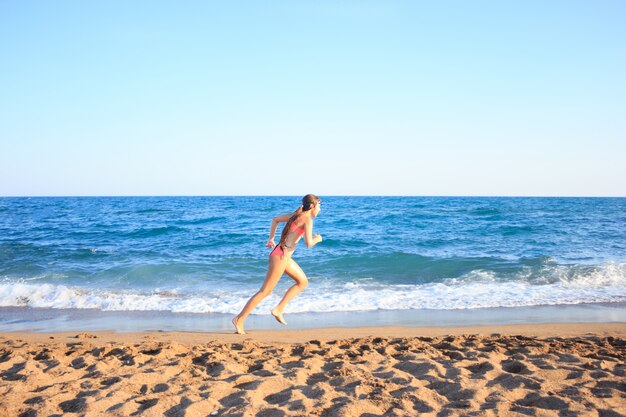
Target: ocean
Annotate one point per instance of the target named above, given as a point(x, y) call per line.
point(207, 255)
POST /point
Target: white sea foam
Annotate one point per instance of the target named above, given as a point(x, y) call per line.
point(478, 289)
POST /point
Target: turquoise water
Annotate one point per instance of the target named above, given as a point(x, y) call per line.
point(208, 255)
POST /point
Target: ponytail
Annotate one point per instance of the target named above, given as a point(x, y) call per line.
point(283, 235)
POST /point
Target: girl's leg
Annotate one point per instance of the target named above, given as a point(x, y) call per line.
point(274, 272)
point(295, 272)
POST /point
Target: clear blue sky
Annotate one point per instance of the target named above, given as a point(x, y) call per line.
point(328, 97)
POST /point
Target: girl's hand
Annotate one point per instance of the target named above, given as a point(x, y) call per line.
point(318, 237)
point(270, 243)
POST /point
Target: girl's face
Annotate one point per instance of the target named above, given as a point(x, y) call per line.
point(316, 209)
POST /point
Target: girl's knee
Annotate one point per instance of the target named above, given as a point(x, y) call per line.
point(303, 283)
point(264, 293)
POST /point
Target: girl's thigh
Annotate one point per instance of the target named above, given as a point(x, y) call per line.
point(296, 273)
point(275, 270)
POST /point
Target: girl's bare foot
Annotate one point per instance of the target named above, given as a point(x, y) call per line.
point(238, 327)
point(279, 316)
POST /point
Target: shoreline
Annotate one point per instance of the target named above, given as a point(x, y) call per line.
point(28, 319)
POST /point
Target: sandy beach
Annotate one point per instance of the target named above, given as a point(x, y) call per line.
point(526, 370)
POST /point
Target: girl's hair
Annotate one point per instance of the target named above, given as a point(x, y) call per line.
point(308, 201)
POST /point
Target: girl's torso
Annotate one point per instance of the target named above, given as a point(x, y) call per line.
point(294, 235)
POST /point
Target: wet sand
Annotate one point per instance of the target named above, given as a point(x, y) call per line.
point(521, 370)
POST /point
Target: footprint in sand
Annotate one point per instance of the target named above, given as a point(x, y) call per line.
point(515, 367)
point(73, 406)
point(480, 369)
point(279, 397)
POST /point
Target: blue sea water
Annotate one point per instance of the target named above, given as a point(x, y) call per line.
point(208, 254)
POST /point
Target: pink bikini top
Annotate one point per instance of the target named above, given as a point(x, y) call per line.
point(296, 229)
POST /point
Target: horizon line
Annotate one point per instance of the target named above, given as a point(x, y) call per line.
point(294, 195)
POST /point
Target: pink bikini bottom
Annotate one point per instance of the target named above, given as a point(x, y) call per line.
point(277, 251)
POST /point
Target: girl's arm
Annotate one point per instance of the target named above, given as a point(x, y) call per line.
point(278, 219)
point(310, 239)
